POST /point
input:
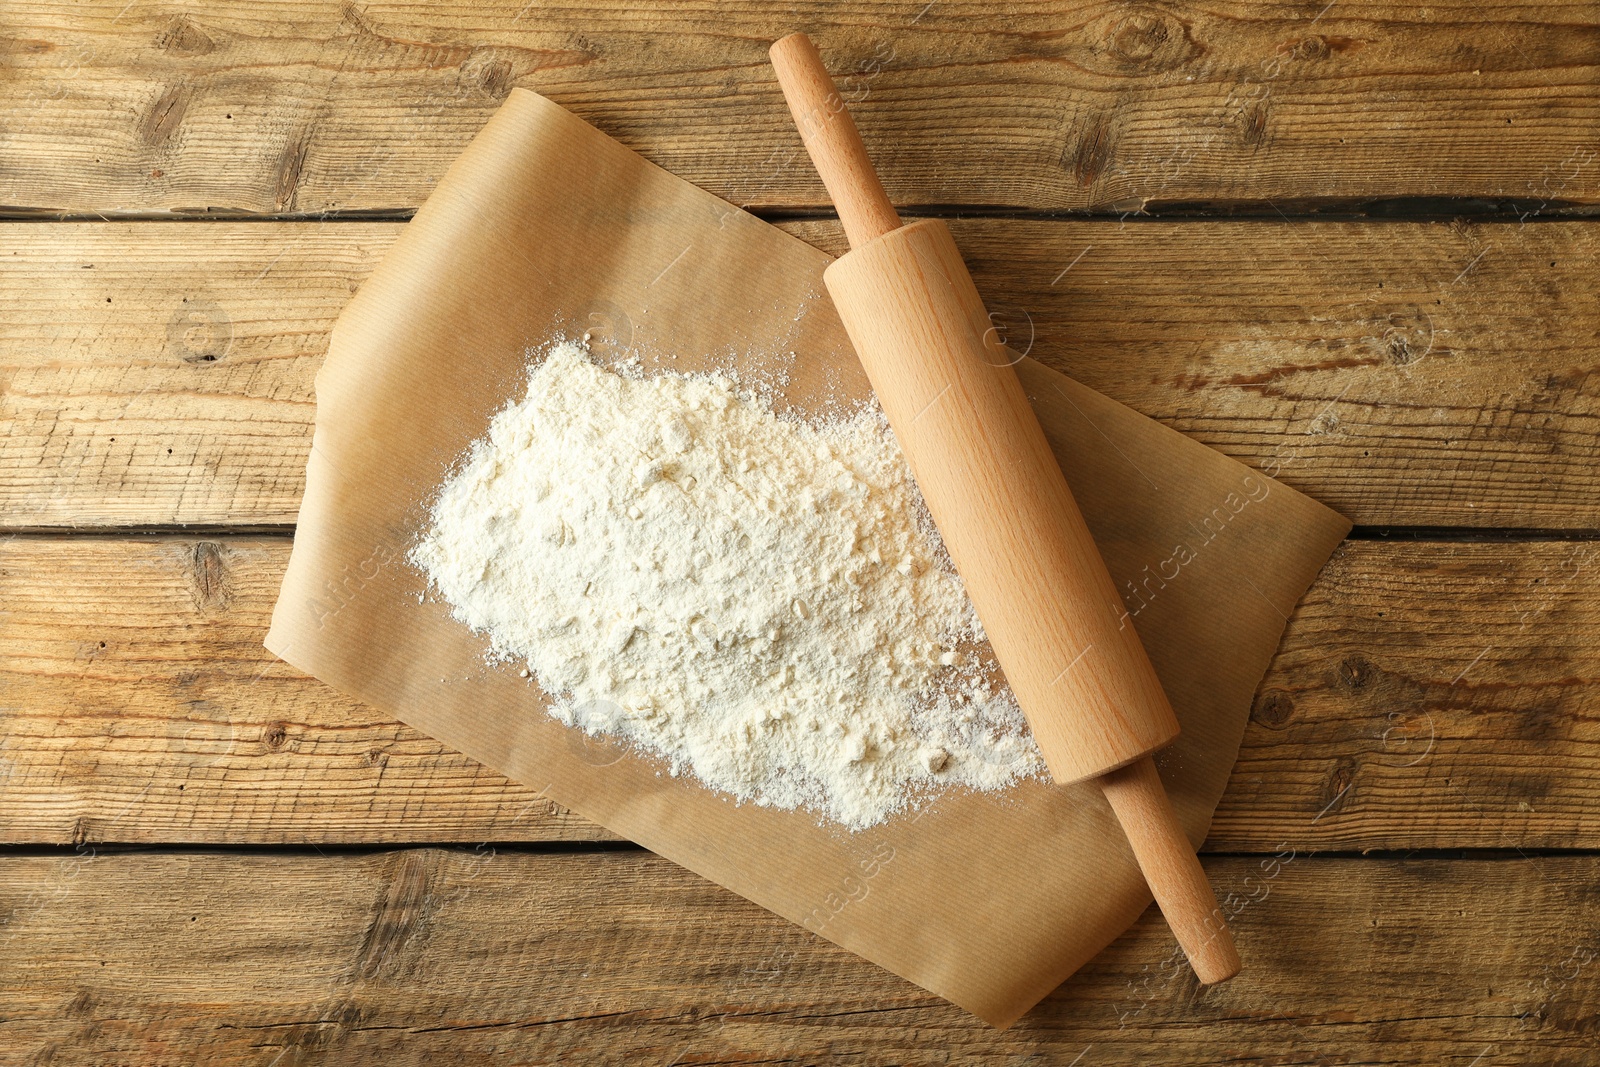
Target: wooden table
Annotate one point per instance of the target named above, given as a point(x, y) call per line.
point(1352, 244)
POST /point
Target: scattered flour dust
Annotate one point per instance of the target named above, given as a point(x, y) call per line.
point(757, 599)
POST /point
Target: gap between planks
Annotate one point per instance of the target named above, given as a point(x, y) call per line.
point(1371, 209)
point(1458, 534)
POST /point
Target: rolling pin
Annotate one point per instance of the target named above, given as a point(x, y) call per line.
point(997, 495)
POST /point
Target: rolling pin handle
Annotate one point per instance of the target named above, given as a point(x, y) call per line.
point(833, 141)
point(1171, 869)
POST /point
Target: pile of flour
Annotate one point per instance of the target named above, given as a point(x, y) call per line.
point(758, 600)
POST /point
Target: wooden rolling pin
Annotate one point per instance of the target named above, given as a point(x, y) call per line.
point(996, 493)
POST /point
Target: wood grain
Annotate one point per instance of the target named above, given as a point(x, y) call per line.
point(321, 106)
point(141, 706)
point(1413, 374)
point(1426, 695)
point(1430, 695)
point(419, 956)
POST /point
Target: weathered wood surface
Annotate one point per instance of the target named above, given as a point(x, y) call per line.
point(310, 107)
point(141, 706)
point(1414, 374)
point(1430, 695)
point(420, 956)
point(1426, 695)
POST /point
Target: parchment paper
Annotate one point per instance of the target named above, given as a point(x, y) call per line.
point(545, 224)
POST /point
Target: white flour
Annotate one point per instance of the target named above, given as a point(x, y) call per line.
point(753, 598)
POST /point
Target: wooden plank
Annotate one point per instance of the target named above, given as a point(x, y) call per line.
point(140, 706)
point(1416, 374)
point(426, 956)
point(165, 374)
point(1426, 695)
point(318, 106)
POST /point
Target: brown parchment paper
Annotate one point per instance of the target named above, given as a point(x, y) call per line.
point(544, 225)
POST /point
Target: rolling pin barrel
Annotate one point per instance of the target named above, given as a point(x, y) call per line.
point(996, 492)
point(997, 495)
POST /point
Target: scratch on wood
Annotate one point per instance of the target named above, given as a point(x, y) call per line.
point(162, 120)
point(350, 13)
point(1255, 125)
point(211, 587)
point(1092, 150)
point(290, 163)
point(400, 915)
point(82, 1005)
point(1338, 786)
